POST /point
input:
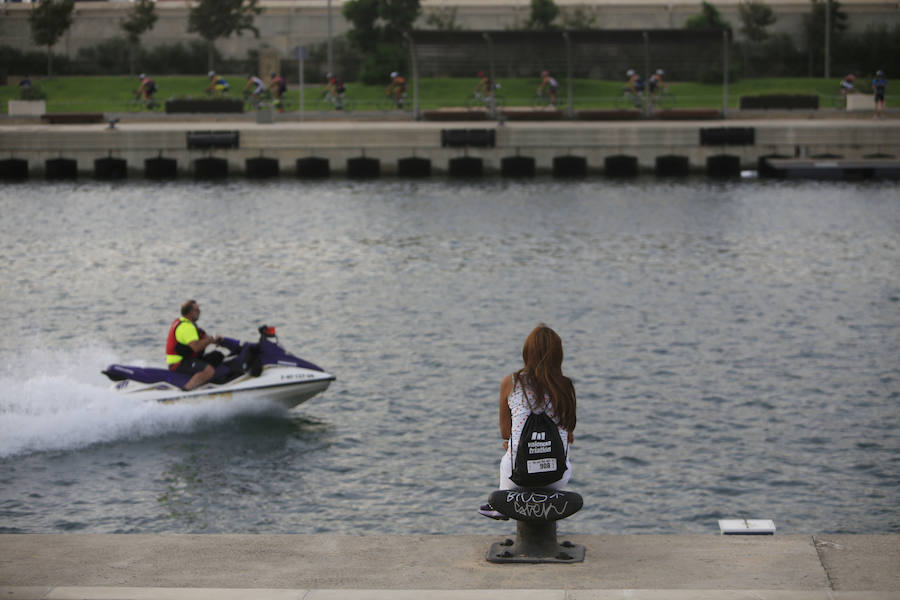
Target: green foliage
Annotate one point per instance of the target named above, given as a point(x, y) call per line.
point(32, 92)
point(814, 29)
point(877, 48)
point(775, 57)
point(755, 16)
point(346, 63)
point(177, 58)
point(443, 19)
point(579, 17)
point(374, 22)
point(377, 29)
point(16, 62)
point(398, 17)
point(214, 19)
point(814, 22)
point(714, 74)
point(50, 19)
point(543, 14)
point(109, 56)
point(709, 18)
point(141, 19)
point(364, 32)
point(385, 59)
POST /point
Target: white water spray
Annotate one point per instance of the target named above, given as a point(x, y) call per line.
point(60, 401)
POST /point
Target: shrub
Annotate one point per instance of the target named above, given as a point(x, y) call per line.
point(347, 62)
point(32, 92)
point(377, 67)
point(109, 57)
point(16, 62)
point(177, 59)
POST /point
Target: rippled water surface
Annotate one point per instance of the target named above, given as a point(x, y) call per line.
point(734, 347)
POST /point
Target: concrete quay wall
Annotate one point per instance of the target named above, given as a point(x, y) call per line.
point(649, 567)
point(388, 143)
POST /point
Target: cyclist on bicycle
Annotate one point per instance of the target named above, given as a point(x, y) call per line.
point(656, 82)
point(217, 84)
point(278, 86)
point(550, 84)
point(147, 88)
point(258, 88)
point(335, 90)
point(396, 89)
point(848, 83)
point(484, 87)
point(635, 82)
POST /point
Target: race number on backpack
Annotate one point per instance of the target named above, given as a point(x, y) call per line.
point(540, 455)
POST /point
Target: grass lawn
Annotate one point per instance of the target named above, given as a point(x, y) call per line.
point(115, 94)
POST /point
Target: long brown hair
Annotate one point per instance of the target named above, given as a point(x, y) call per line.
point(543, 356)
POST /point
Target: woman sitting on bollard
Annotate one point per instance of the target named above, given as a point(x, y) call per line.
point(539, 387)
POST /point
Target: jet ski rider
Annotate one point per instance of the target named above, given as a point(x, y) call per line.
point(185, 346)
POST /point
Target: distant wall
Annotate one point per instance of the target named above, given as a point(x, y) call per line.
point(289, 23)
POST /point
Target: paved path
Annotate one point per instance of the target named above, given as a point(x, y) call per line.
point(400, 567)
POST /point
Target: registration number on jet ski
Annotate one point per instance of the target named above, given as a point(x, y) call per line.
point(296, 376)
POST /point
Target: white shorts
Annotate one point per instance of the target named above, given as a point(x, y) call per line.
point(506, 472)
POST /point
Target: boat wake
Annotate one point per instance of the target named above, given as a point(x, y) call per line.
point(60, 401)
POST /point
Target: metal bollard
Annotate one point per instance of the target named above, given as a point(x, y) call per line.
point(536, 513)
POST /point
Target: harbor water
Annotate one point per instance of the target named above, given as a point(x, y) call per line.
point(735, 348)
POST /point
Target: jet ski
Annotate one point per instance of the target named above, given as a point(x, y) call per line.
point(261, 370)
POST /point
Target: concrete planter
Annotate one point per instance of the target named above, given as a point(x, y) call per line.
point(265, 115)
point(860, 102)
point(780, 102)
point(27, 108)
point(213, 105)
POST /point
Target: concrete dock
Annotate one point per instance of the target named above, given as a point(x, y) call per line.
point(400, 567)
point(466, 148)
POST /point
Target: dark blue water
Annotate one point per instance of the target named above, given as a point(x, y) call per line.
point(734, 348)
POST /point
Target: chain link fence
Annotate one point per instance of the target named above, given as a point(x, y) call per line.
point(598, 55)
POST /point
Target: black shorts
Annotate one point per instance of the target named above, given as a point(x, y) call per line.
point(189, 366)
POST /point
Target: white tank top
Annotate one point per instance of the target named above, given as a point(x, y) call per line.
point(519, 409)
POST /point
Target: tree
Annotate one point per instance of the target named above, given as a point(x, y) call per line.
point(398, 17)
point(214, 19)
point(377, 31)
point(709, 18)
point(443, 19)
point(814, 23)
point(50, 19)
point(755, 16)
point(543, 13)
point(580, 17)
point(364, 33)
point(140, 20)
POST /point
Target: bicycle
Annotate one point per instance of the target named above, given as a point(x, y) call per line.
point(257, 101)
point(629, 99)
point(330, 102)
point(839, 101)
point(138, 103)
point(479, 100)
point(542, 100)
point(284, 105)
point(664, 100)
point(387, 103)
